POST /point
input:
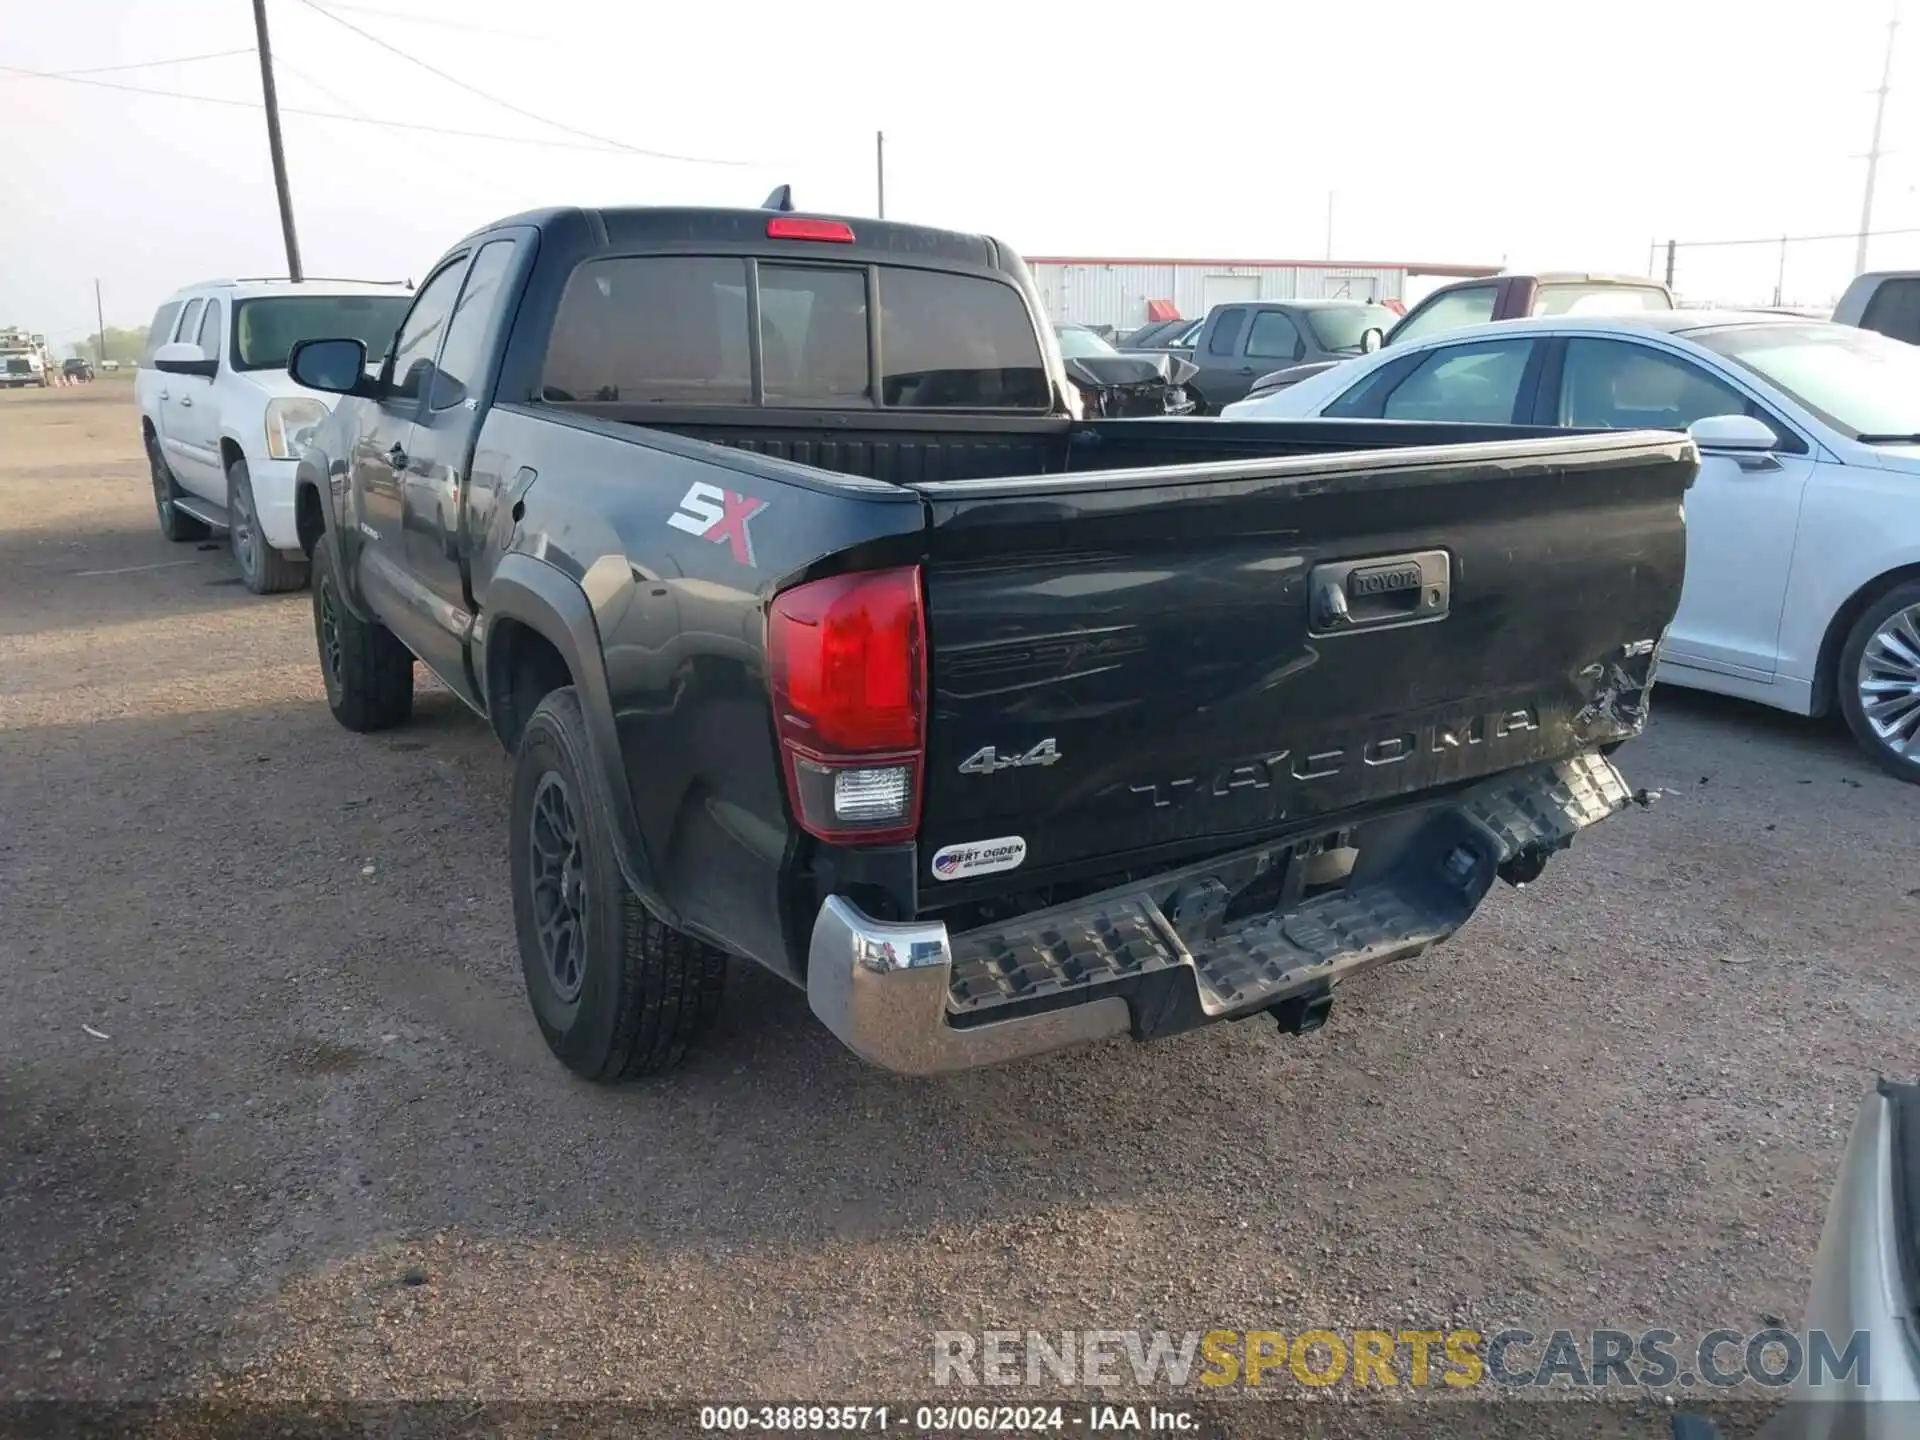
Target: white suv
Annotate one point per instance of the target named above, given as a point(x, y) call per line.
point(223, 422)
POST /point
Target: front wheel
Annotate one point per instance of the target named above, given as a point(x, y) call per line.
point(368, 673)
point(617, 994)
point(264, 569)
point(1879, 681)
point(175, 523)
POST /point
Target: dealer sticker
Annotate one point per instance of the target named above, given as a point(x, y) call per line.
point(982, 857)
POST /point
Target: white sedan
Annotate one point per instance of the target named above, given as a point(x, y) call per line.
point(1803, 529)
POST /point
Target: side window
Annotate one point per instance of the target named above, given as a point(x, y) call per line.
point(1273, 337)
point(465, 353)
point(189, 321)
point(160, 331)
point(1226, 335)
point(1449, 310)
point(210, 331)
point(1894, 310)
point(419, 338)
point(1615, 385)
point(1477, 383)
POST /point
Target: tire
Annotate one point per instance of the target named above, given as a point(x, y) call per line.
point(368, 673)
point(263, 569)
point(1882, 657)
point(617, 994)
point(175, 523)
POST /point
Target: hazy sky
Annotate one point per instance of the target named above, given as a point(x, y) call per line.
point(1539, 134)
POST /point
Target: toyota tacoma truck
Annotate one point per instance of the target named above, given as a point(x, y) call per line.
point(825, 631)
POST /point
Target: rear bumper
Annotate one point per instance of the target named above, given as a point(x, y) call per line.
point(1186, 948)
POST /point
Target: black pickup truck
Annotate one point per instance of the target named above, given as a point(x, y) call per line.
point(825, 632)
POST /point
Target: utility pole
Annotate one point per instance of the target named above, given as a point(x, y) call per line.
point(1671, 245)
point(1873, 153)
point(1780, 278)
point(100, 316)
point(880, 168)
point(273, 140)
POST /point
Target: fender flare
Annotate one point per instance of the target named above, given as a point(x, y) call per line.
point(549, 602)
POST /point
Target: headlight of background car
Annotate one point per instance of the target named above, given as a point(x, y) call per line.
point(290, 425)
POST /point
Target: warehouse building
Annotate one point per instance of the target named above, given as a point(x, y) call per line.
point(1126, 293)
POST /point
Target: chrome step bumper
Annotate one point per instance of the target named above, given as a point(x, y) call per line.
point(914, 999)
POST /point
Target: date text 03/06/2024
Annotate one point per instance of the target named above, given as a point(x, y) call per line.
point(945, 1419)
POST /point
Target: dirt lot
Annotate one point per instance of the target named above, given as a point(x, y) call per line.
point(322, 1151)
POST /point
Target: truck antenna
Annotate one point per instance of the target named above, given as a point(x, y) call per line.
point(780, 199)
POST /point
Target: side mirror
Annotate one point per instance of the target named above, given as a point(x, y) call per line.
point(183, 357)
point(336, 367)
point(1740, 434)
point(1371, 339)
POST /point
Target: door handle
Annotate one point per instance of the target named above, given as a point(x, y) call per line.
point(397, 457)
point(164, 395)
point(1246, 369)
point(186, 402)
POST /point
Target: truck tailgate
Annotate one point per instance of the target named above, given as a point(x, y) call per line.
point(1128, 666)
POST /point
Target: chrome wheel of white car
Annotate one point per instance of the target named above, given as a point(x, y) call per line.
point(1879, 681)
point(1889, 681)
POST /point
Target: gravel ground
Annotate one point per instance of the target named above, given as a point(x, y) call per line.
point(317, 1148)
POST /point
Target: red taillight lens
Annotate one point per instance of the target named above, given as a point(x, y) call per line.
point(848, 657)
point(798, 227)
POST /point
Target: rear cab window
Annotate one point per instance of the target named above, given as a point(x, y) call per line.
point(680, 330)
point(1591, 299)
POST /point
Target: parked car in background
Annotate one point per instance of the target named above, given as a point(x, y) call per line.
point(1151, 334)
point(77, 367)
point(1238, 342)
point(1886, 301)
point(824, 634)
point(1497, 297)
point(1179, 337)
point(222, 422)
point(109, 364)
point(1117, 386)
point(1803, 538)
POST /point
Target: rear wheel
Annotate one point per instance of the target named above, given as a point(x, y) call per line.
point(264, 569)
point(175, 523)
point(368, 673)
point(617, 994)
point(1879, 681)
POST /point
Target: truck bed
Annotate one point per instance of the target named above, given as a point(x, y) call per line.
point(909, 450)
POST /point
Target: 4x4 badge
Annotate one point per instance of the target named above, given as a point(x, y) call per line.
point(987, 760)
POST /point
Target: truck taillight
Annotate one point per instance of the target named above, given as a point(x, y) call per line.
point(848, 658)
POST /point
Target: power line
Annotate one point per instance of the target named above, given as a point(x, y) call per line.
point(139, 64)
point(1791, 239)
point(434, 21)
point(347, 102)
point(349, 119)
point(488, 95)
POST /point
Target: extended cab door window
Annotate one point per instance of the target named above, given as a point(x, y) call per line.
point(1475, 383)
point(1449, 310)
